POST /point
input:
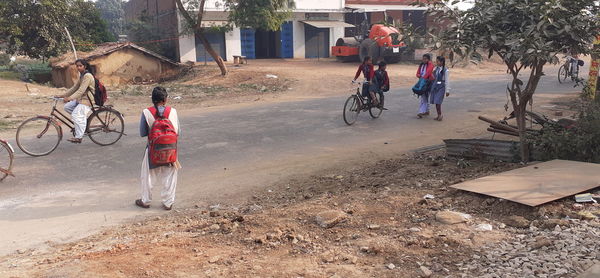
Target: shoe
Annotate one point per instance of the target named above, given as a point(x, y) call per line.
point(167, 208)
point(141, 204)
point(420, 115)
point(75, 140)
point(425, 114)
point(439, 118)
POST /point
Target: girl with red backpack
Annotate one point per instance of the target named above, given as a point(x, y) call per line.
point(160, 165)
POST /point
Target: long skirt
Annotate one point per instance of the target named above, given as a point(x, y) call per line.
point(437, 93)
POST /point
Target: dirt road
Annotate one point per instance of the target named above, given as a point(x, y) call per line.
point(229, 152)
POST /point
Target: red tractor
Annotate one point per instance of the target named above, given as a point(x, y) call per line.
point(381, 42)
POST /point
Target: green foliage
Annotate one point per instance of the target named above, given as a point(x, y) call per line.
point(144, 30)
point(36, 28)
point(4, 59)
point(581, 143)
point(257, 14)
point(112, 12)
point(526, 32)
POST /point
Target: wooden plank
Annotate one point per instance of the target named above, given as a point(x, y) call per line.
point(538, 184)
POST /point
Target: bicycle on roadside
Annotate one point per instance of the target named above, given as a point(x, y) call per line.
point(570, 68)
point(40, 135)
point(7, 155)
point(356, 103)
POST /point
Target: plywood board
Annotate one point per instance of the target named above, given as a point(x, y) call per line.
point(538, 184)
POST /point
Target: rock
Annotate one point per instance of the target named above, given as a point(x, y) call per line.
point(425, 272)
point(214, 213)
point(330, 218)
point(451, 217)
point(390, 266)
point(541, 242)
point(586, 215)
point(10, 116)
point(214, 259)
point(21, 251)
point(483, 228)
point(373, 227)
point(215, 227)
point(328, 257)
point(550, 224)
point(414, 229)
point(517, 222)
point(593, 272)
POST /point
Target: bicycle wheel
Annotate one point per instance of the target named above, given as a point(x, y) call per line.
point(563, 73)
point(351, 110)
point(105, 127)
point(38, 136)
point(375, 111)
point(6, 160)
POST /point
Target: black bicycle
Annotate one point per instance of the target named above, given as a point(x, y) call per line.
point(570, 68)
point(40, 135)
point(356, 103)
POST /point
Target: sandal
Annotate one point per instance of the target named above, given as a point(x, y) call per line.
point(439, 118)
point(75, 140)
point(167, 208)
point(141, 204)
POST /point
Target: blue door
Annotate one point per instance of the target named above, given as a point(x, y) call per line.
point(287, 40)
point(217, 42)
point(248, 44)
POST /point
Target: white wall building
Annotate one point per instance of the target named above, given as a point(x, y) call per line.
point(312, 30)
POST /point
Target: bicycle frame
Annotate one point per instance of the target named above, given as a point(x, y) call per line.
point(56, 114)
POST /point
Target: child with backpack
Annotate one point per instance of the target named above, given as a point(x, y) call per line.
point(381, 84)
point(77, 99)
point(160, 165)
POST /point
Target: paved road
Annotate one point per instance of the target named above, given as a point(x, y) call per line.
point(227, 153)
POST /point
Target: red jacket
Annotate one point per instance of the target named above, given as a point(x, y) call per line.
point(367, 74)
point(428, 71)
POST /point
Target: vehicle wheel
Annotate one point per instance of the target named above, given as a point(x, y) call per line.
point(563, 73)
point(393, 59)
point(351, 110)
point(38, 136)
point(374, 111)
point(6, 159)
point(105, 127)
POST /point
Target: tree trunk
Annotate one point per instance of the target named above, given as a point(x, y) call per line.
point(212, 52)
point(522, 125)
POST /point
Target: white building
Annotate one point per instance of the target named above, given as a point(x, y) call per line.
point(313, 29)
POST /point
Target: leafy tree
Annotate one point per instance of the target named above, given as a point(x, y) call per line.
point(113, 13)
point(143, 30)
point(89, 28)
point(257, 14)
point(36, 28)
point(526, 34)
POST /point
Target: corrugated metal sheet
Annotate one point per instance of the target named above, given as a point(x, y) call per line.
point(483, 149)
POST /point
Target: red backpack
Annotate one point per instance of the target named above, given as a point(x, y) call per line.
point(100, 95)
point(162, 139)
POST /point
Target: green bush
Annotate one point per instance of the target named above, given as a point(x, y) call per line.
point(580, 143)
point(4, 59)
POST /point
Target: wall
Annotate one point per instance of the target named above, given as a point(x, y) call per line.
point(187, 45)
point(121, 67)
point(233, 45)
point(320, 4)
point(382, 2)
